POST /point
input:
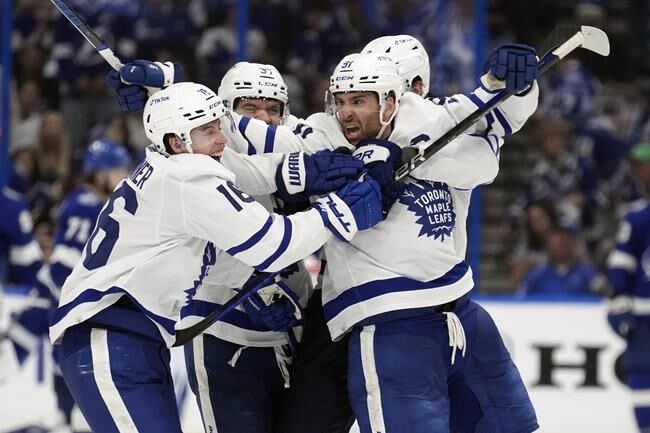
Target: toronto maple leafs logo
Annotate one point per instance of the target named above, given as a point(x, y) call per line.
point(209, 259)
point(433, 205)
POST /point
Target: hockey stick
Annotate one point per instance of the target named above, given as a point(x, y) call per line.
point(589, 38)
point(251, 287)
point(92, 38)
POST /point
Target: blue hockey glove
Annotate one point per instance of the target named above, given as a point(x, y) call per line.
point(130, 97)
point(620, 316)
point(380, 158)
point(515, 64)
point(275, 307)
point(356, 206)
point(301, 175)
point(151, 74)
point(135, 79)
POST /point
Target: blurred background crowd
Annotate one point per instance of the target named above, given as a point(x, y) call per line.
point(549, 219)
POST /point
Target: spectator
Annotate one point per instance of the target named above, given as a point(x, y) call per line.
point(561, 176)
point(565, 273)
point(45, 188)
point(640, 169)
point(530, 247)
point(28, 117)
point(571, 93)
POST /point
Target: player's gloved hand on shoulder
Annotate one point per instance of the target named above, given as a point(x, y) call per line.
point(136, 79)
point(275, 307)
point(301, 175)
point(356, 206)
point(381, 158)
point(620, 316)
point(515, 65)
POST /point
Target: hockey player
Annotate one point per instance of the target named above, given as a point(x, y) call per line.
point(321, 371)
point(629, 306)
point(416, 293)
point(157, 238)
point(239, 368)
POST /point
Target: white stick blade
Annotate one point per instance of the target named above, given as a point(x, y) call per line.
point(594, 39)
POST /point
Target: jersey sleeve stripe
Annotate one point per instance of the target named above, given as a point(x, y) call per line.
point(496, 139)
point(243, 124)
point(282, 248)
point(253, 239)
point(487, 139)
point(502, 120)
point(476, 100)
point(270, 139)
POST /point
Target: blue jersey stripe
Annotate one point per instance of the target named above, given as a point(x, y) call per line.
point(502, 120)
point(253, 239)
point(270, 139)
point(372, 289)
point(282, 248)
point(243, 124)
point(476, 100)
point(487, 141)
point(93, 295)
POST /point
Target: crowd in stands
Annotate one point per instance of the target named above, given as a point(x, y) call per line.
point(588, 135)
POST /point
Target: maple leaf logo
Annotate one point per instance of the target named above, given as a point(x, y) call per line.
point(209, 259)
point(432, 203)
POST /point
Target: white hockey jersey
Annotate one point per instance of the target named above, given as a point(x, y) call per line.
point(164, 229)
point(415, 258)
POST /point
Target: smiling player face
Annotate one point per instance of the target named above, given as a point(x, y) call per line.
point(208, 139)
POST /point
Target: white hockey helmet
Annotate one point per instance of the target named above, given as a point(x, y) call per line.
point(178, 109)
point(365, 72)
point(408, 53)
point(253, 80)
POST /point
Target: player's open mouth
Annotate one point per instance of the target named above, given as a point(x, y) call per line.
point(351, 130)
point(217, 153)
